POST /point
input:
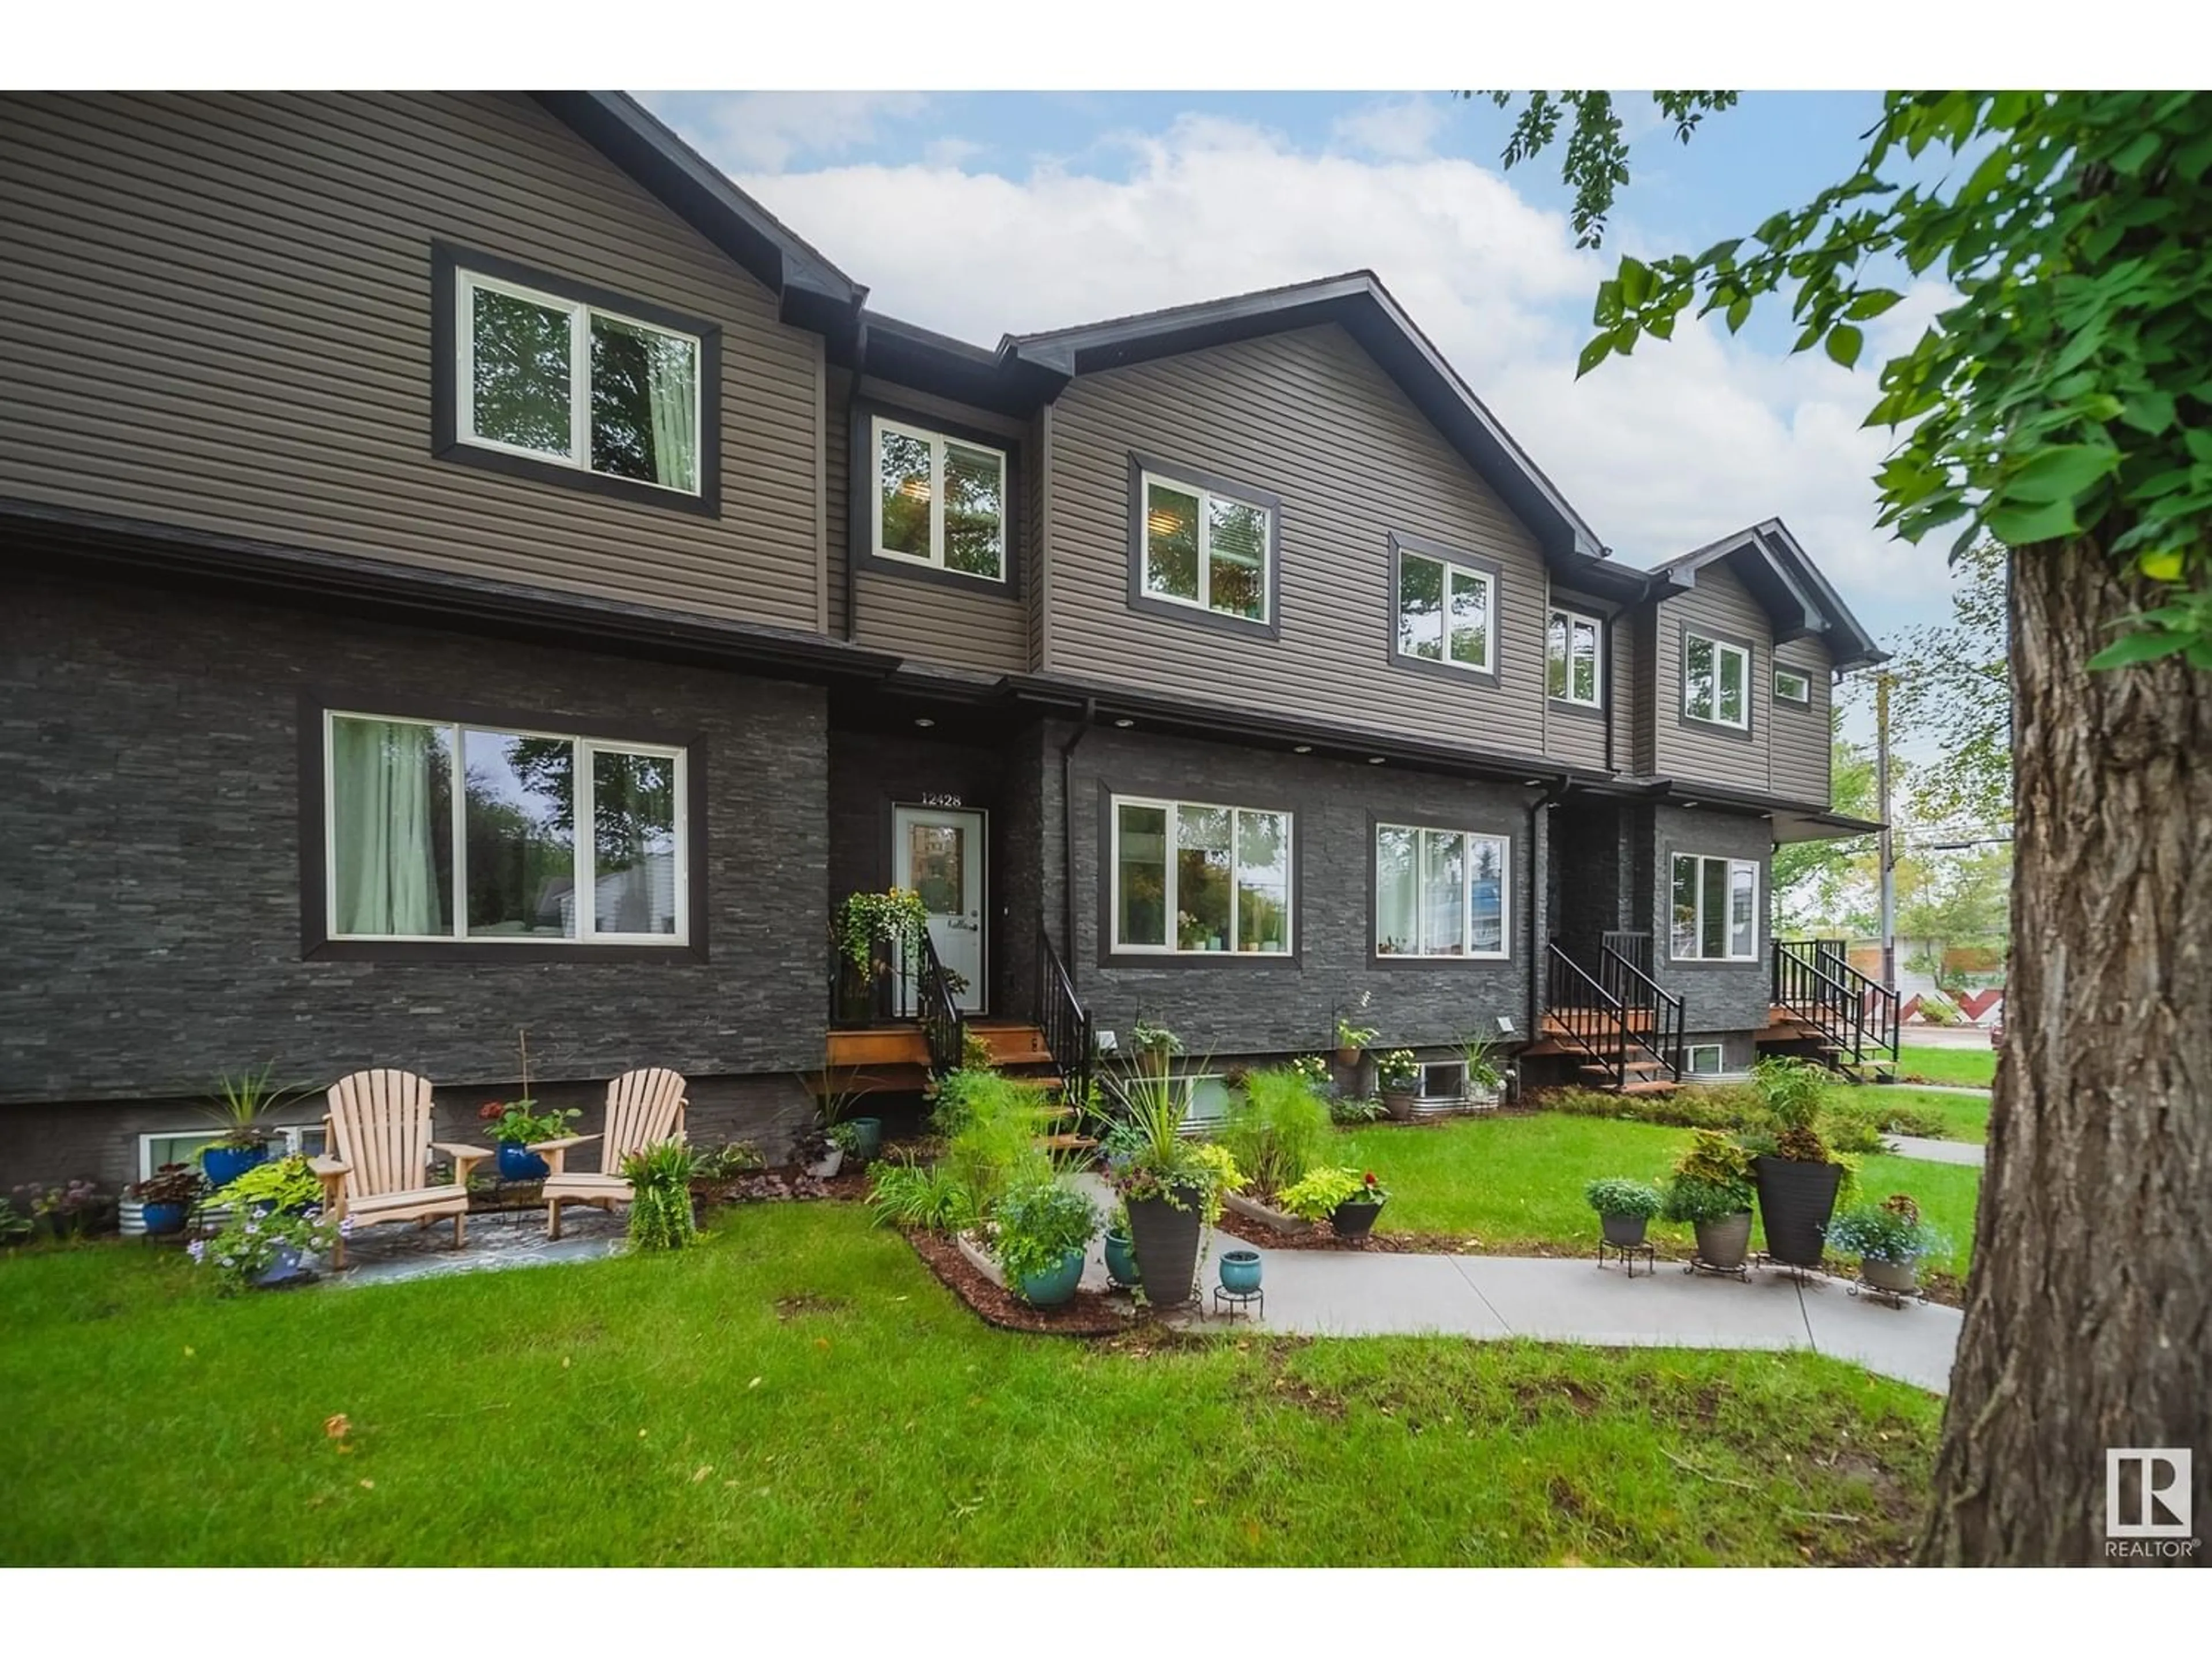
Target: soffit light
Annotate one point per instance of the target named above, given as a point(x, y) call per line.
point(1302, 748)
point(1124, 723)
point(1375, 760)
point(923, 720)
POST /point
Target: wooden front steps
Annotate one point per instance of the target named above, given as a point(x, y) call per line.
point(1013, 1046)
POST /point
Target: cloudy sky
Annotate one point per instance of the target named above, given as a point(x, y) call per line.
point(983, 214)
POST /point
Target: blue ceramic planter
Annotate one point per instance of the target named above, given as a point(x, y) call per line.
point(1240, 1270)
point(224, 1165)
point(518, 1163)
point(1049, 1290)
point(288, 1268)
point(1122, 1261)
point(163, 1219)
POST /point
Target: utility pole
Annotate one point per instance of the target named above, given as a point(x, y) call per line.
point(1887, 855)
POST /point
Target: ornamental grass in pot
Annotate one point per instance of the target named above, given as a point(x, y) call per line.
point(1797, 1178)
point(1711, 1189)
point(1624, 1208)
point(1171, 1186)
point(239, 1107)
point(1890, 1240)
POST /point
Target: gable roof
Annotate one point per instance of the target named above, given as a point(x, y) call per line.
point(1770, 562)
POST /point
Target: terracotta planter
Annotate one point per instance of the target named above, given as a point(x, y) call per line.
point(1724, 1243)
point(1165, 1242)
point(1795, 1202)
point(1348, 1057)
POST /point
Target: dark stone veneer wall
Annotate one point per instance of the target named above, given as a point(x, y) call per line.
point(149, 914)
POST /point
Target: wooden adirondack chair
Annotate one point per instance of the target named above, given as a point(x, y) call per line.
point(378, 1130)
point(644, 1108)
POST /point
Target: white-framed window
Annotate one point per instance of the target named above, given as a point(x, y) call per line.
point(1716, 681)
point(184, 1146)
point(449, 830)
point(1791, 686)
point(1703, 1059)
point(1444, 612)
point(939, 500)
point(1439, 892)
point(1205, 549)
point(568, 384)
point(1190, 879)
point(1574, 671)
point(1716, 908)
point(1443, 1080)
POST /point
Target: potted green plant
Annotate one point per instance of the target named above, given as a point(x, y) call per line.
point(275, 1230)
point(1348, 1200)
point(1399, 1075)
point(1041, 1233)
point(1121, 1254)
point(660, 1215)
point(1889, 1239)
point(1171, 1186)
point(1351, 1038)
point(515, 1125)
point(876, 934)
point(1485, 1075)
point(1710, 1188)
point(1624, 1208)
point(166, 1198)
point(239, 1107)
point(1797, 1178)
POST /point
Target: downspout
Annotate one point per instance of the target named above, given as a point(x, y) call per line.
point(1067, 838)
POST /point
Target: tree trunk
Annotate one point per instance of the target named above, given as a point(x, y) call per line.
point(2088, 1317)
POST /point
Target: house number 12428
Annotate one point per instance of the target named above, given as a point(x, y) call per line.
point(928, 800)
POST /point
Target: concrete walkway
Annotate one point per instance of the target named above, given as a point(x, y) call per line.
point(1975, 1089)
point(1936, 1152)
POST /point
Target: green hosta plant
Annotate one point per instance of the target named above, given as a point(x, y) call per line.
point(1348, 1111)
point(1317, 1196)
point(1891, 1231)
point(1034, 1227)
point(660, 1216)
point(288, 1183)
point(1616, 1195)
point(727, 1161)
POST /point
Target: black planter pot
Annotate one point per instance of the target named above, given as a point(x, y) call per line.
point(1354, 1220)
point(1795, 1201)
point(1624, 1228)
point(1165, 1241)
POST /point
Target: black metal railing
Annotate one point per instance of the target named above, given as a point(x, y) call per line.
point(878, 991)
point(1065, 1021)
point(938, 1009)
point(1855, 1015)
point(1650, 1012)
point(1635, 947)
point(1585, 1013)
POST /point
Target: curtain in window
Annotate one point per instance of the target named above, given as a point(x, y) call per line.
point(391, 828)
point(672, 389)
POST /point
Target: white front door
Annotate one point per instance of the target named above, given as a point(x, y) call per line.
point(939, 852)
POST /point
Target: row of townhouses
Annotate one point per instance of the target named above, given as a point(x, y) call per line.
point(471, 570)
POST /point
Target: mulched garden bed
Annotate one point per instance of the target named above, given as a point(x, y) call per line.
point(1090, 1314)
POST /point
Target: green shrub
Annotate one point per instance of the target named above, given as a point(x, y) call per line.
point(928, 1196)
point(1036, 1224)
point(1905, 1119)
point(991, 1123)
point(1733, 1107)
point(727, 1161)
point(660, 1197)
point(1940, 1011)
point(1277, 1129)
point(1617, 1195)
point(1347, 1111)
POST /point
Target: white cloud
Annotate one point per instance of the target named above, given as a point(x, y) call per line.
point(1660, 451)
point(740, 131)
point(1402, 129)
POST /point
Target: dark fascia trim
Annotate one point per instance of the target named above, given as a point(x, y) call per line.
point(1225, 723)
point(1516, 850)
point(813, 293)
point(200, 561)
point(1422, 547)
point(315, 943)
point(446, 261)
point(1235, 961)
point(1269, 628)
point(1820, 609)
point(911, 356)
point(1359, 303)
point(860, 506)
point(1748, 732)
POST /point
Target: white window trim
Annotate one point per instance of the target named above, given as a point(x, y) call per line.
point(1206, 499)
point(1172, 900)
point(1428, 1067)
point(1719, 1052)
point(1452, 571)
point(1697, 928)
point(878, 425)
point(1503, 953)
point(1720, 648)
point(1802, 678)
point(1596, 699)
point(579, 458)
point(293, 1136)
point(584, 853)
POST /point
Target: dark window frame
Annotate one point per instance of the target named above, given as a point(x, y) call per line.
point(860, 506)
point(448, 261)
point(1748, 731)
point(1395, 961)
point(1269, 627)
point(316, 704)
point(1232, 961)
point(1422, 547)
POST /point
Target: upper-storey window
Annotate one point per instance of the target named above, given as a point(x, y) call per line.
point(542, 376)
point(1716, 680)
point(939, 500)
point(1203, 548)
point(1445, 607)
point(1191, 878)
point(1791, 686)
point(1573, 669)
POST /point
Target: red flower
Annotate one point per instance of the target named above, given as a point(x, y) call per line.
point(490, 1109)
point(1369, 1177)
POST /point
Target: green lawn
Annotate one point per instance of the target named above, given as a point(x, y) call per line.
point(1963, 1116)
point(1516, 1183)
point(1972, 1068)
point(800, 1390)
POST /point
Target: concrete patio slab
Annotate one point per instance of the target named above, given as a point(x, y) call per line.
point(1915, 1343)
point(1581, 1302)
point(1938, 1151)
point(1333, 1293)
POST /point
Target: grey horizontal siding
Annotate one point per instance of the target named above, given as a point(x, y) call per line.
point(1709, 754)
point(1573, 733)
point(1628, 690)
point(219, 316)
point(1308, 416)
point(1799, 743)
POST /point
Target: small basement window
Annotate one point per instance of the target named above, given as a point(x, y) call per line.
point(1791, 686)
point(1705, 1060)
point(1443, 1080)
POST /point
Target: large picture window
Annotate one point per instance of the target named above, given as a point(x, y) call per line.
point(939, 500)
point(1205, 548)
point(450, 831)
point(1573, 670)
point(1190, 879)
point(1716, 681)
point(1445, 612)
point(1439, 892)
point(1716, 909)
